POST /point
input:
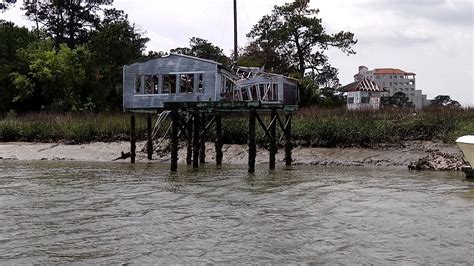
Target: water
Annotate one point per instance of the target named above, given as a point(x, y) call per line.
point(99, 213)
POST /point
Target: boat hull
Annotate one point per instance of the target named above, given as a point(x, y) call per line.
point(466, 144)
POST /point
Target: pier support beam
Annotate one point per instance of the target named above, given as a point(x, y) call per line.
point(202, 141)
point(219, 140)
point(273, 146)
point(288, 141)
point(196, 133)
point(149, 142)
point(174, 140)
point(133, 145)
point(189, 146)
point(251, 142)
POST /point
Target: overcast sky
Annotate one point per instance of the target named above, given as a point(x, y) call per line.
point(433, 38)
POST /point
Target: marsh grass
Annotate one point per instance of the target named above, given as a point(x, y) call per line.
point(311, 127)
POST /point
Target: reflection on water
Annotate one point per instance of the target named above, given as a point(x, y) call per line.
point(58, 212)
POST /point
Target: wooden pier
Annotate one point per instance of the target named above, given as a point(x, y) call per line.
point(192, 122)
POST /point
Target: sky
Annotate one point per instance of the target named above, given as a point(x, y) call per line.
point(432, 38)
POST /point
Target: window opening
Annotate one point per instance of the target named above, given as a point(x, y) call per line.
point(186, 83)
point(138, 84)
point(148, 84)
point(169, 83)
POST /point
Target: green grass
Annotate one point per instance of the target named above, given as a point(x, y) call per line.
point(311, 127)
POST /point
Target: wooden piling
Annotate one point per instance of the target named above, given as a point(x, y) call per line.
point(219, 140)
point(149, 143)
point(251, 141)
point(273, 147)
point(174, 140)
point(189, 146)
point(133, 145)
point(202, 141)
point(196, 133)
point(288, 141)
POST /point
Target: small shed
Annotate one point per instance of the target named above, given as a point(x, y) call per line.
point(182, 78)
point(362, 94)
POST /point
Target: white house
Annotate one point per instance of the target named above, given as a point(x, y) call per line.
point(363, 94)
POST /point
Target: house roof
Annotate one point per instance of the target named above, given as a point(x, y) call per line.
point(195, 58)
point(391, 71)
point(362, 85)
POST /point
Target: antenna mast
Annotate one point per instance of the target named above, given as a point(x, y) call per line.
point(235, 31)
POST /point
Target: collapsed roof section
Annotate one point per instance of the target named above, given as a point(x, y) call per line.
point(362, 85)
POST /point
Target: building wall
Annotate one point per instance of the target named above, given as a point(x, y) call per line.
point(134, 76)
point(395, 83)
point(359, 96)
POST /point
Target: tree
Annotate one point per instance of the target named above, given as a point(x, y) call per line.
point(444, 101)
point(203, 49)
point(258, 55)
point(296, 33)
point(55, 79)
point(117, 42)
point(69, 22)
point(12, 38)
point(6, 4)
point(399, 99)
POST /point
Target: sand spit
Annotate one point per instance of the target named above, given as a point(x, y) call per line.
point(427, 155)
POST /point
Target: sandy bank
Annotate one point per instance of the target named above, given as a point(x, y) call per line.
point(409, 153)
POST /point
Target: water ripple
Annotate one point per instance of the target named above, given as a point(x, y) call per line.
point(60, 212)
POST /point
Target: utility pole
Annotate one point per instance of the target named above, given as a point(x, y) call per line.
point(235, 31)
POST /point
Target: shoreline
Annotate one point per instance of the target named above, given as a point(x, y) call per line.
point(418, 155)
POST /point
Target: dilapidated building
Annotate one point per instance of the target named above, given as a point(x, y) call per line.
point(195, 93)
point(363, 94)
point(182, 78)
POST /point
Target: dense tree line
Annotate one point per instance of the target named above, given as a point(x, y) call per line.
point(70, 61)
point(72, 57)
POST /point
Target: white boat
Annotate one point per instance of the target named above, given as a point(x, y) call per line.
point(466, 144)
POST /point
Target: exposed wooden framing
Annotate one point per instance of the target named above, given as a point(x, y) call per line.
point(273, 146)
point(219, 140)
point(174, 139)
point(209, 124)
point(251, 141)
point(133, 145)
point(196, 144)
point(264, 127)
point(149, 143)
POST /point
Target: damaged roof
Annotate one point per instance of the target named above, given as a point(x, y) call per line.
point(362, 85)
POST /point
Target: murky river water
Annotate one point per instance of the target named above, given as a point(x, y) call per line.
point(58, 212)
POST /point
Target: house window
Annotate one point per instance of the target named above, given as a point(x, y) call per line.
point(200, 84)
point(156, 84)
point(138, 84)
point(148, 88)
point(261, 88)
point(245, 94)
point(395, 83)
point(273, 93)
point(186, 83)
point(401, 77)
point(253, 90)
point(365, 100)
point(350, 100)
point(169, 83)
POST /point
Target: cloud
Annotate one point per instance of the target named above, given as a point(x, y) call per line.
point(441, 12)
